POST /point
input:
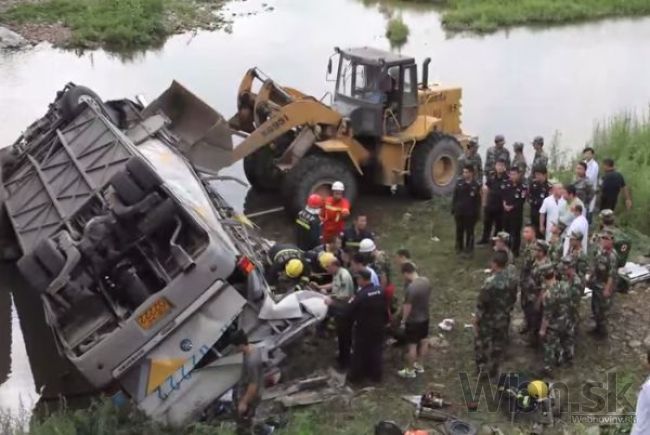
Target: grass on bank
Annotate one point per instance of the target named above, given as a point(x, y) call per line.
point(397, 31)
point(490, 15)
point(117, 24)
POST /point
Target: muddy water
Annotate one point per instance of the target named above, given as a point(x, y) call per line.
point(522, 83)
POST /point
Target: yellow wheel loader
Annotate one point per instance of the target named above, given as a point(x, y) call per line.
point(383, 127)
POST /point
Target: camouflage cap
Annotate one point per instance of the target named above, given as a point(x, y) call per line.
point(542, 245)
point(606, 213)
point(502, 235)
point(518, 146)
point(547, 270)
point(577, 235)
point(568, 260)
point(473, 142)
point(606, 234)
point(538, 140)
point(499, 138)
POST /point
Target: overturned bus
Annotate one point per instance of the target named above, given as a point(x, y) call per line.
point(144, 271)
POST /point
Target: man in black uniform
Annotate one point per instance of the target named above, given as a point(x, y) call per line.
point(355, 234)
point(367, 311)
point(466, 207)
point(493, 210)
point(514, 196)
point(538, 190)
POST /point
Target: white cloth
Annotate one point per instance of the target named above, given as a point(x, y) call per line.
point(592, 175)
point(551, 208)
point(579, 224)
point(642, 419)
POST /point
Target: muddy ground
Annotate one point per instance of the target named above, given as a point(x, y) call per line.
point(456, 282)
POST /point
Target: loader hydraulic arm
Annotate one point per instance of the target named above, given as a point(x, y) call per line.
point(302, 113)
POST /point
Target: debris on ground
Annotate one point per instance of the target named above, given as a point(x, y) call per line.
point(318, 388)
point(10, 40)
point(447, 325)
point(634, 273)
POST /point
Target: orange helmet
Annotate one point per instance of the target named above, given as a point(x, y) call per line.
point(315, 201)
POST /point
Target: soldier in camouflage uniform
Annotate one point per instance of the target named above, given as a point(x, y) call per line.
point(622, 243)
point(578, 255)
point(472, 157)
point(540, 159)
point(501, 242)
point(602, 281)
point(554, 329)
point(576, 291)
point(491, 321)
point(533, 308)
point(519, 159)
point(498, 151)
point(584, 189)
point(556, 242)
point(527, 262)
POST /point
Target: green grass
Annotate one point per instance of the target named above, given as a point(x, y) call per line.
point(397, 31)
point(117, 24)
point(490, 15)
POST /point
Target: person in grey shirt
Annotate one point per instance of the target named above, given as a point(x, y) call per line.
point(249, 389)
point(415, 319)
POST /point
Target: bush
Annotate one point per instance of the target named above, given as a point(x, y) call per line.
point(397, 31)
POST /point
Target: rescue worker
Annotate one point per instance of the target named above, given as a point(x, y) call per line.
point(556, 241)
point(466, 208)
point(334, 213)
point(578, 255)
point(360, 262)
point(555, 325)
point(502, 243)
point(379, 262)
point(514, 197)
point(308, 224)
point(355, 234)
point(533, 308)
point(493, 201)
point(602, 281)
point(472, 157)
point(498, 151)
point(541, 158)
point(519, 160)
point(622, 243)
point(491, 317)
point(584, 189)
point(576, 291)
point(248, 393)
point(538, 190)
point(340, 290)
point(367, 310)
point(287, 265)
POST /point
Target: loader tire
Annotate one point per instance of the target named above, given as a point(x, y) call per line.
point(434, 166)
point(261, 172)
point(313, 173)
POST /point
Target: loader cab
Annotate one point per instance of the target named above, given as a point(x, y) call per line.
point(376, 91)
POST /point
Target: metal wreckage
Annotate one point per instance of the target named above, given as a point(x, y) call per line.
point(143, 269)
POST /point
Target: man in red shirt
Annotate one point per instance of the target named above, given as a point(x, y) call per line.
point(336, 210)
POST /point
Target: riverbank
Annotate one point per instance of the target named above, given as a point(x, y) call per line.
point(484, 16)
point(112, 24)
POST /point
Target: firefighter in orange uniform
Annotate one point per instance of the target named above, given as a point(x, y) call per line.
point(336, 210)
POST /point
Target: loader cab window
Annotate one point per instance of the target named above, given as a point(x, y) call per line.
point(359, 81)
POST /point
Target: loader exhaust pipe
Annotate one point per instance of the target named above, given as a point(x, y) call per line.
point(425, 72)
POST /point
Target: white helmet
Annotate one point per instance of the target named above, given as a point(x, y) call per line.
point(366, 246)
point(337, 186)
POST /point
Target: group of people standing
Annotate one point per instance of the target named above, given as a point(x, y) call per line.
point(558, 257)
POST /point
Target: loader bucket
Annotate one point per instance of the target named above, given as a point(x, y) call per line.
point(205, 136)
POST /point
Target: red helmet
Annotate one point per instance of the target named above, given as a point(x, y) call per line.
point(315, 201)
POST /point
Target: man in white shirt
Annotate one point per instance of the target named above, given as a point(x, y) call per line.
point(578, 225)
point(549, 212)
point(571, 200)
point(642, 420)
point(592, 174)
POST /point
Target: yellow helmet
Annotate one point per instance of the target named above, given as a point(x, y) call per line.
point(325, 259)
point(294, 268)
point(538, 389)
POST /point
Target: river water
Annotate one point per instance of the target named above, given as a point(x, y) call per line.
point(522, 83)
